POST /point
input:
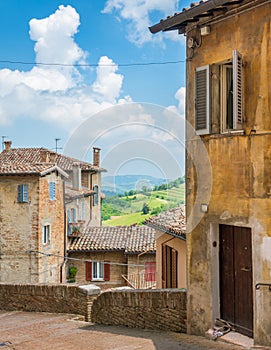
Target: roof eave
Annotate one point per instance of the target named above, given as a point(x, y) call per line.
point(178, 20)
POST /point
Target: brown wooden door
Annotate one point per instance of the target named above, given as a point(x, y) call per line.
point(235, 259)
point(169, 267)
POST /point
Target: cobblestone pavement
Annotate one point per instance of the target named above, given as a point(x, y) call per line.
point(41, 331)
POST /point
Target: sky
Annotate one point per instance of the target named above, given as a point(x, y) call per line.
point(89, 73)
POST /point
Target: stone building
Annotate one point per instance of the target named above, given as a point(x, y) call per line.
point(228, 107)
point(45, 197)
point(114, 256)
point(170, 238)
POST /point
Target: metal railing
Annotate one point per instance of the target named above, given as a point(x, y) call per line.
point(141, 280)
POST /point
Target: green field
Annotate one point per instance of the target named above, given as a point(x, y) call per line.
point(127, 209)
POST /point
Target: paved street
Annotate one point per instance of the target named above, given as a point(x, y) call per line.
point(22, 330)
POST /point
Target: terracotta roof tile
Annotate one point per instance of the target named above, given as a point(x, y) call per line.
point(40, 155)
point(172, 221)
point(130, 239)
point(15, 169)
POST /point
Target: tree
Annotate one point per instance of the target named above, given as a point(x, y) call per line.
point(145, 209)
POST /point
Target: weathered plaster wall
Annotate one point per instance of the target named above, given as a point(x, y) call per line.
point(179, 245)
point(240, 168)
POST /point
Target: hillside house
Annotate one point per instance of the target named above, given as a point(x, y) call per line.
point(228, 105)
point(44, 217)
point(170, 247)
point(114, 256)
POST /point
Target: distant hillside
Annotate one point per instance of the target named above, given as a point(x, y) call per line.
point(112, 185)
point(134, 207)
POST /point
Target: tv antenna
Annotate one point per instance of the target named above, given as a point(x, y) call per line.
point(57, 148)
point(3, 141)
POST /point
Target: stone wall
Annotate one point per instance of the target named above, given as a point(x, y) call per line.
point(71, 299)
point(153, 309)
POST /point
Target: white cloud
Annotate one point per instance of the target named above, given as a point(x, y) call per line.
point(180, 97)
point(137, 13)
point(56, 94)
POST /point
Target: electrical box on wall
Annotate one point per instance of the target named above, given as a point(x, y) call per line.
point(205, 30)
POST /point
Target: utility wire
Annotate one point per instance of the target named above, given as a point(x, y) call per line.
point(93, 64)
point(78, 259)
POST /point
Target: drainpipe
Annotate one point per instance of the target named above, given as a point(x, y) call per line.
point(65, 236)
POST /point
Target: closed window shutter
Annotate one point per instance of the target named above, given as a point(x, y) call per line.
point(23, 193)
point(106, 271)
point(83, 211)
point(164, 265)
point(202, 103)
point(174, 266)
point(88, 271)
point(150, 269)
point(69, 215)
point(237, 90)
point(52, 190)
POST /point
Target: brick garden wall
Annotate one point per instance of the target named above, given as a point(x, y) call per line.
point(153, 309)
point(69, 299)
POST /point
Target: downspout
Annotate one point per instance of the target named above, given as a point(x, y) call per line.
point(65, 236)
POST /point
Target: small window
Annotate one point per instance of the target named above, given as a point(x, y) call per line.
point(52, 191)
point(97, 271)
point(96, 195)
point(23, 193)
point(46, 234)
point(83, 211)
point(73, 215)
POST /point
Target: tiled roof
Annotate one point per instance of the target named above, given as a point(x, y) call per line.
point(204, 9)
point(39, 169)
point(39, 155)
point(129, 239)
point(172, 221)
point(71, 193)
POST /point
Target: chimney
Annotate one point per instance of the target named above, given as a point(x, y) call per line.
point(76, 176)
point(44, 157)
point(96, 156)
point(52, 157)
point(7, 145)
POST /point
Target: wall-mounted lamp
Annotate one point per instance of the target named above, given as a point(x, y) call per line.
point(205, 30)
point(204, 208)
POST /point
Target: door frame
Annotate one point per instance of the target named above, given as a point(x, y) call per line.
point(214, 268)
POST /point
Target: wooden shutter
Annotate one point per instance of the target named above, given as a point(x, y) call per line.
point(202, 103)
point(88, 271)
point(106, 271)
point(174, 268)
point(150, 269)
point(237, 90)
point(23, 193)
point(164, 265)
point(52, 190)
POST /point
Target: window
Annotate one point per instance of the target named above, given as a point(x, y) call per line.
point(96, 271)
point(52, 190)
point(212, 107)
point(23, 193)
point(46, 234)
point(96, 195)
point(73, 215)
point(83, 211)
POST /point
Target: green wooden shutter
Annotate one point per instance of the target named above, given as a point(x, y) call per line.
point(237, 90)
point(202, 102)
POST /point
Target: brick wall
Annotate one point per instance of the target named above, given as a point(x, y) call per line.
point(153, 309)
point(69, 299)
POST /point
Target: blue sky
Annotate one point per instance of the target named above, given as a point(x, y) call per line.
point(91, 48)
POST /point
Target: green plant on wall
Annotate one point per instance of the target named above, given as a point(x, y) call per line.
point(72, 273)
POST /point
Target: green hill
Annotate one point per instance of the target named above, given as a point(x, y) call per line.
point(127, 209)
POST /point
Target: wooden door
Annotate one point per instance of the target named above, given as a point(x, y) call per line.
point(169, 267)
point(236, 289)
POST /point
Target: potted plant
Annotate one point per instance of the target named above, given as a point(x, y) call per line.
point(72, 273)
